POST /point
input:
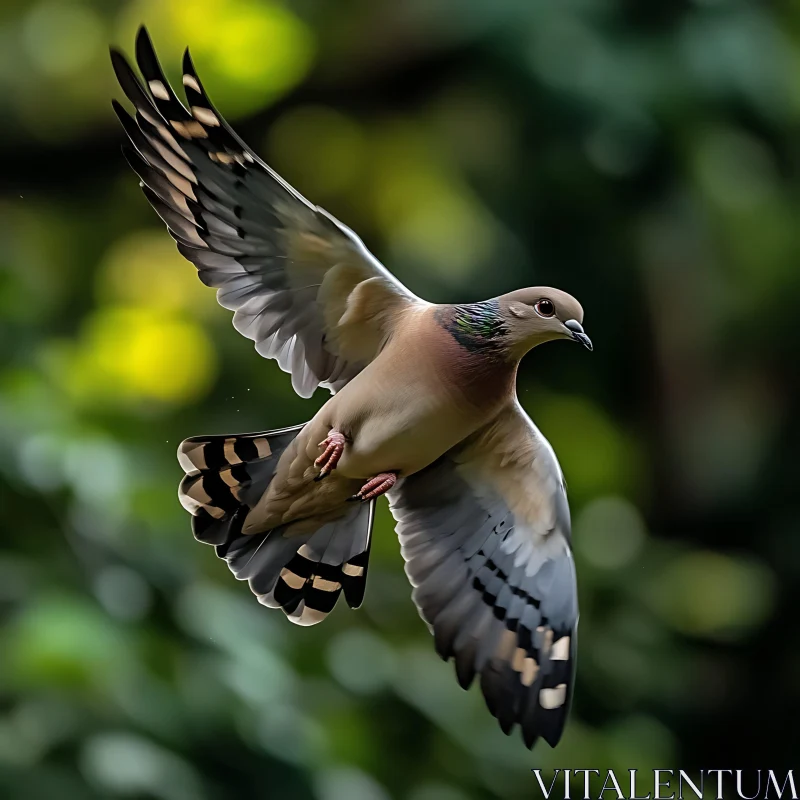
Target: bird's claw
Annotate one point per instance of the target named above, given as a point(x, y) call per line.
point(334, 447)
point(375, 487)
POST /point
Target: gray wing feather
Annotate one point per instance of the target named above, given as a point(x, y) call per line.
point(264, 247)
point(497, 590)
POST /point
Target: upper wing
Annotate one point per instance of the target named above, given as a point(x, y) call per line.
point(303, 287)
point(485, 533)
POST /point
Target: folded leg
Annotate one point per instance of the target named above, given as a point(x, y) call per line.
point(376, 486)
point(333, 447)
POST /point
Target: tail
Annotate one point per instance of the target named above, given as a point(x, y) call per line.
point(303, 574)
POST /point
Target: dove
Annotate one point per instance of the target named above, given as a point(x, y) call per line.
point(423, 409)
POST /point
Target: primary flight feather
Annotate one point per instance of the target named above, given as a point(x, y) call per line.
point(423, 410)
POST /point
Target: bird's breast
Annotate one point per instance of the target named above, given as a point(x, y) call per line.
point(412, 435)
point(416, 402)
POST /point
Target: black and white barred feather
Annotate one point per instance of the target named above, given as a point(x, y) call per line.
point(303, 574)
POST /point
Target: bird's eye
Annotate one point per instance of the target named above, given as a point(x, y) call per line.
point(545, 308)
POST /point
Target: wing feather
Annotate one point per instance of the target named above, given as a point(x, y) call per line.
point(485, 534)
point(303, 287)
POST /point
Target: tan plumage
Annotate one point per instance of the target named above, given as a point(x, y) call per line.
point(423, 408)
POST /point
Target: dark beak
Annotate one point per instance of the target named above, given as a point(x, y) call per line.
point(576, 329)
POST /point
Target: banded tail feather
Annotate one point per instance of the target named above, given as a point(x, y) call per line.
point(303, 574)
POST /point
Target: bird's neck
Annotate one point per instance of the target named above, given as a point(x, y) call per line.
point(476, 362)
point(476, 327)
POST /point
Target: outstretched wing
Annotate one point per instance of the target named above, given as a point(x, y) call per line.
point(303, 287)
point(485, 533)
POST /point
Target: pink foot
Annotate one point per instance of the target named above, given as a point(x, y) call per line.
point(334, 447)
point(376, 486)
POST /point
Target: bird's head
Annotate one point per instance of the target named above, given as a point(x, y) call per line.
point(538, 314)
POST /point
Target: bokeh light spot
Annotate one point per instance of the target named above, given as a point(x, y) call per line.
point(714, 595)
point(61, 641)
point(610, 532)
point(97, 471)
point(136, 353)
point(361, 661)
point(348, 783)
point(426, 213)
point(62, 38)
point(123, 592)
point(146, 269)
point(247, 53)
point(595, 455)
point(129, 765)
point(318, 148)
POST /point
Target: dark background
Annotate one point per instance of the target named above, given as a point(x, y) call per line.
point(641, 156)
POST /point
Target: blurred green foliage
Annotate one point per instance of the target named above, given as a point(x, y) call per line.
point(642, 156)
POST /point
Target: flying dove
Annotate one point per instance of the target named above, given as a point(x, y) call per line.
point(423, 409)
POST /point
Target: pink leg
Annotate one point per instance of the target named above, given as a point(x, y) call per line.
point(376, 486)
point(333, 449)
